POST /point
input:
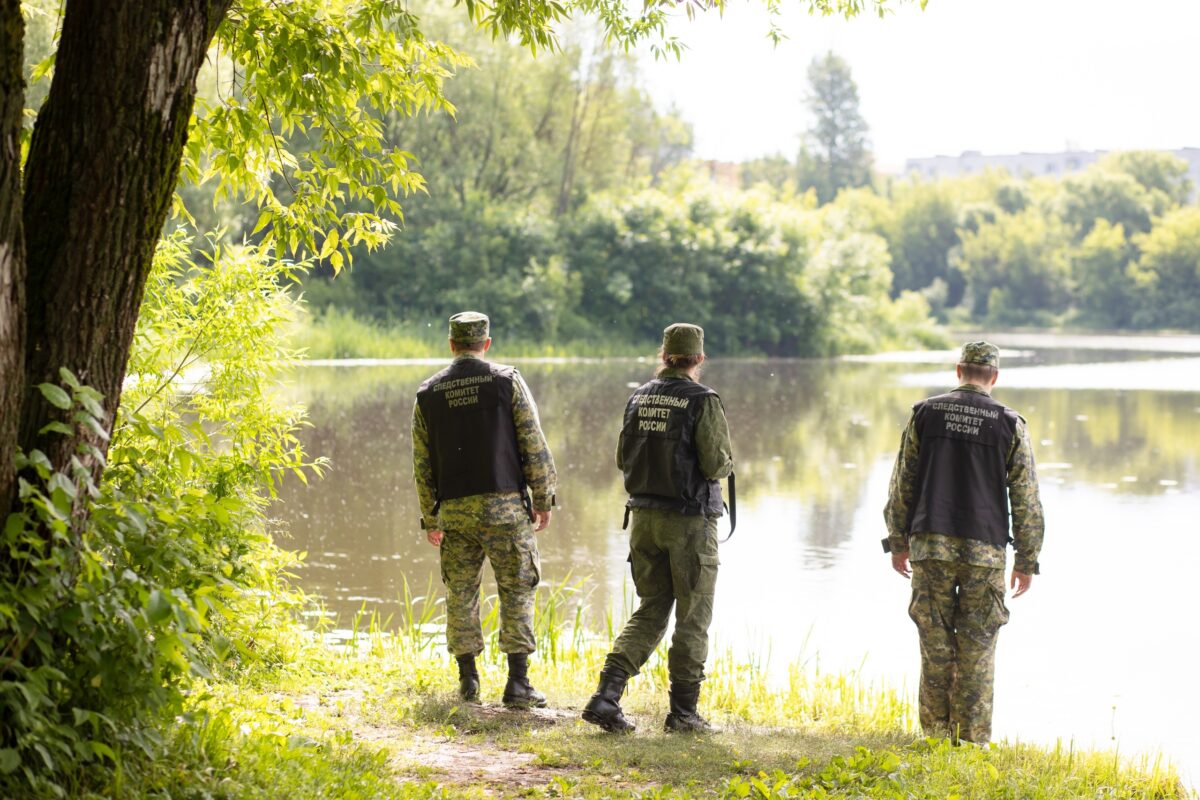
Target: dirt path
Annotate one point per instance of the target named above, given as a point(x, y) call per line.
point(449, 759)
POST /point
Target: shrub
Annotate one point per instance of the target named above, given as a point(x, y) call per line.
point(106, 616)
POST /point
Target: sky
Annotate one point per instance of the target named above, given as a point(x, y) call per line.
point(998, 76)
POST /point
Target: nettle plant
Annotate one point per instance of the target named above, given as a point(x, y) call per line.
point(124, 589)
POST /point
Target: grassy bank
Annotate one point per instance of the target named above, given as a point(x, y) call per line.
point(336, 334)
point(340, 334)
point(377, 717)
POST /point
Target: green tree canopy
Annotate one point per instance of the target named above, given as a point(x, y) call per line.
point(1016, 269)
point(837, 153)
point(922, 231)
point(1104, 276)
point(1168, 272)
point(1154, 171)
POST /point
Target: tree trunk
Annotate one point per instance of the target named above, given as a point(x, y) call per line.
point(578, 112)
point(12, 242)
point(102, 168)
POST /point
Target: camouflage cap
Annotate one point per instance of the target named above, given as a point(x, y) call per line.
point(980, 353)
point(682, 339)
point(469, 327)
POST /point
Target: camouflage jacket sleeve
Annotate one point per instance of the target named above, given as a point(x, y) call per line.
point(536, 459)
point(713, 449)
point(902, 489)
point(1027, 521)
point(423, 469)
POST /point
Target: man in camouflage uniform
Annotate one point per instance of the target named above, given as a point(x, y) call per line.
point(477, 448)
point(964, 460)
point(674, 447)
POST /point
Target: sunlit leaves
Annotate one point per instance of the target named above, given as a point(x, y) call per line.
point(294, 123)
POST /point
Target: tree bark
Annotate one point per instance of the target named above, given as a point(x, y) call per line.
point(12, 241)
point(102, 167)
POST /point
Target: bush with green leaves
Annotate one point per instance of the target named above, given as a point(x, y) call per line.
point(106, 616)
point(1167, 274)
point(762, 276)
point(732, 266)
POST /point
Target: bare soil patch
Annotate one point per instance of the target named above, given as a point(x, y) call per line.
point(449, 759)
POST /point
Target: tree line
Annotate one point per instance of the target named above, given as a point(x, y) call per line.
point(569, 208)
point(1115, 247)
point(773, 266)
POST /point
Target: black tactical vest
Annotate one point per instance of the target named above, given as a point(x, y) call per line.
point(965, 438)
point(467, 409)
point(658, 449)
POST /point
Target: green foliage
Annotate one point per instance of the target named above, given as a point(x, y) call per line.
point(776, 171)
point(849, 278)
point(838, 154)
point(292, 119)
point(1016, 269)
point(610, 274)
point(107, 616)
point(487, 255)
point(1105, 277)
point(291, 129)
point(1168, 273)
point(545, 132)
point(935, 768)
point(1115, 197)
point(732, 266)
point(1012, 197)
point(993, 249)
point(1159, 172)
point(239, 750)
point(922, 231)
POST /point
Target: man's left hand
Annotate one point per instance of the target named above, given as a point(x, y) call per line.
point(900, 564)
point(1021, 582)
point(541, 519)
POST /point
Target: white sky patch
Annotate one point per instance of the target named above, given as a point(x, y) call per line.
point(999, 76)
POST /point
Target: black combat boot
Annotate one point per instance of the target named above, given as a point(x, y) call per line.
point(519, 692)
point(604, 709)
point(683, 717)
point(468, 679)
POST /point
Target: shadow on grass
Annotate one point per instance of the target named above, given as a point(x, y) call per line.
point(447, 711)
point(562, 744)
point(650, 756)
point(469, 748)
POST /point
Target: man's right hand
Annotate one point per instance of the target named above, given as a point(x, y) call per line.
point(541, 519)
point(900, 564)
point(434, 538)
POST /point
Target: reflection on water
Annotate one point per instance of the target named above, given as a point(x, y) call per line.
point(1100, 648)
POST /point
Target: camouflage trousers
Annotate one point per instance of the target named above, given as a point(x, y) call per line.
point(958, 609)
point(674, 563)
point(512, 549)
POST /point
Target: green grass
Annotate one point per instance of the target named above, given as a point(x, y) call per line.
point(377, 717)
point(337, 334)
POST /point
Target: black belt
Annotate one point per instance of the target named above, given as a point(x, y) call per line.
point(731, 507)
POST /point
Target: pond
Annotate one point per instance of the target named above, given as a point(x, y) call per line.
point(1102, 649)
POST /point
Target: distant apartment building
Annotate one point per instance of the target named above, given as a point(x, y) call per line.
point(972, 162)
